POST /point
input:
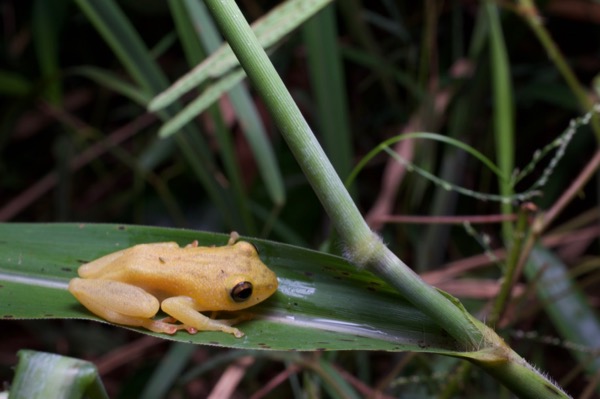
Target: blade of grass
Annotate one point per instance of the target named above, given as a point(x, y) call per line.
point(131, 51)
point(327, 85)
point(563, 301)
point(503, 115)
point(453, 164)
point(125, 42)
point(333, 382)
point(429, 136)
point(270, 29)
point(210, 94)
point(243, 105)
point(113, 82)
point(47, 20)
point(369, 61)
point(171, 366)
point(352, 12)
point(185, 20)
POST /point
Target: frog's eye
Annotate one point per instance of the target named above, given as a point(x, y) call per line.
point(242, 291)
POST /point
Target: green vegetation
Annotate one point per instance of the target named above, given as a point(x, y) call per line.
point(439, 116)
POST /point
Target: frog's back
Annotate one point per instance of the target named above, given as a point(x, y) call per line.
point(116, 265)
point(187, 270)
point(159, 265)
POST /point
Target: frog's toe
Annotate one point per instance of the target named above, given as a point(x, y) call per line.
point(227, 323)
point(165, 326)
point(224, 327)
point(189, 329)
point(193, 330)
point(237, 333)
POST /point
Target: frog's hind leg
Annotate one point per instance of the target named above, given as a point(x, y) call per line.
point(119, 303)
point(185, 310)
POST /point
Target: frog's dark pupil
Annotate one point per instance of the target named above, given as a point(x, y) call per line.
point(242, 291)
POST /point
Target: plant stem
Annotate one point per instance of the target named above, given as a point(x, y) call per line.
point(511, 266)
point(364, 248)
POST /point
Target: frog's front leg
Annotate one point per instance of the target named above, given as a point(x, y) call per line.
point(120, 303)
point(185, 310)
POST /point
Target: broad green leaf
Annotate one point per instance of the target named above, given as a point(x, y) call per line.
point(323, 303)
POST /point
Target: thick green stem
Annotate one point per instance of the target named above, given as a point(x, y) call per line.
point(290, 121)
point(522, 379)
point(364, 248)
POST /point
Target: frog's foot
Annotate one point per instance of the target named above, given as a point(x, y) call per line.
point(224, 326)
point(165, 325)
point(233, 321)
point(185, 310)
point(169, 325)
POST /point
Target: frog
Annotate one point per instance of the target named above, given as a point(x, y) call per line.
point(130, 286)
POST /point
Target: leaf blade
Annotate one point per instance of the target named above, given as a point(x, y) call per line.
point(323, 303)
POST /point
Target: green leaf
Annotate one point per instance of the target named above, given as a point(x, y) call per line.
point(46, 23)
point(269, 29)
point(327, 83)
point(566, 305)
point(114, 82)
point(322, 302)
point(126, 43)
point(208, 97)
point(254, 130)
point(42, 375)
point(503, 105)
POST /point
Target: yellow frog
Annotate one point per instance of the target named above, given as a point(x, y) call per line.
point(129, 286)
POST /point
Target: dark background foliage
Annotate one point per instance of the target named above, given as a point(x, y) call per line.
point(414, 55)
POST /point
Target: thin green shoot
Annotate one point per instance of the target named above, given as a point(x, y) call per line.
point(559, 146)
